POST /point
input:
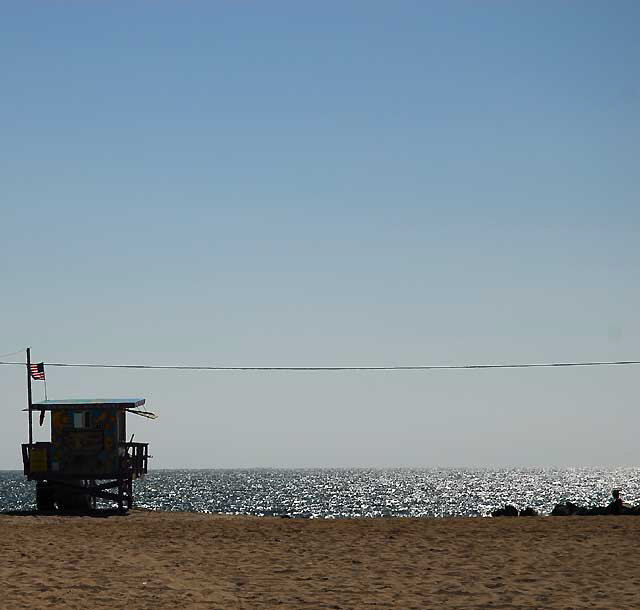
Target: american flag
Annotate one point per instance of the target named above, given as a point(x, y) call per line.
point(37, 371)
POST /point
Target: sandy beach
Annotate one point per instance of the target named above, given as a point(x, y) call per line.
point(168, 560)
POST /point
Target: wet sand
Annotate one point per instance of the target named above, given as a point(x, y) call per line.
point(169, 560)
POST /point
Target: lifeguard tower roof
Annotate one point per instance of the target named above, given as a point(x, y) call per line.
point(88, 403)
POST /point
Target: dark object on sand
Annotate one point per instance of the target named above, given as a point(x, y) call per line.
point(511, 511)
point(508, 511)
point(565, 510)
point(615, 507)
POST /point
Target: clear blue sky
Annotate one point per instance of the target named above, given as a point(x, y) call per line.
point(327, 183)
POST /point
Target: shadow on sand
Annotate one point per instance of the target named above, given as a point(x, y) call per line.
point(100, 513)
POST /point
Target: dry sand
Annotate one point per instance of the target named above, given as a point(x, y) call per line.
point(169, 560)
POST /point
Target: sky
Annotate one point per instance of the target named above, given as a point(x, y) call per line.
point(335, 183)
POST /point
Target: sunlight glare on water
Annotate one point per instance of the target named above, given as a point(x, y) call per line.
point(334, 493)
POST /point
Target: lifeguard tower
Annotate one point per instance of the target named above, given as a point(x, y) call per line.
point(88, 456)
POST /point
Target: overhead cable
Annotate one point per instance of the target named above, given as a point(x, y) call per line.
point(412, 367)
point(19, 351)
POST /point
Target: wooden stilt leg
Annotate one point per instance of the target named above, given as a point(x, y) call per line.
point(129, 493)
point(92, 498)
point(120, 494)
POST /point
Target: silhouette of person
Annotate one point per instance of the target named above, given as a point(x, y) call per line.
point(616, 504)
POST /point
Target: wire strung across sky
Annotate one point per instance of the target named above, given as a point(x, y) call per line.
point(20, 351)
point(413, 367)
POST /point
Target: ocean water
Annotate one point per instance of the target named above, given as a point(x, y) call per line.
point(334, 493)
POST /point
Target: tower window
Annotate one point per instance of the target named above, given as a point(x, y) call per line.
point(82, 419)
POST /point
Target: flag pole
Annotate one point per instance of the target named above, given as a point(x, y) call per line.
point(29, 398)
